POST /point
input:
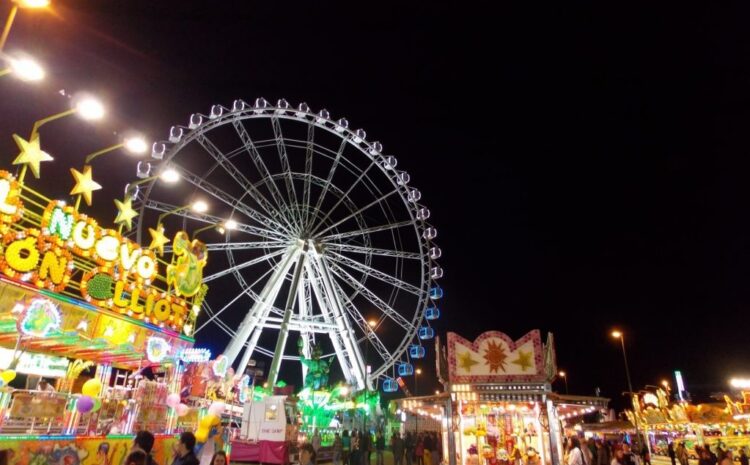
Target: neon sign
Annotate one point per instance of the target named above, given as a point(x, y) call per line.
point(194, 355)
point(157, 349)
point(40, 318)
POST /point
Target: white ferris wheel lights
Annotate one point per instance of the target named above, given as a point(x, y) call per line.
point(26, 69)
point(230, 225)
point(135, 145)
point(372, 323)
point(89, 108)
point(170, 176)
point(199, 206)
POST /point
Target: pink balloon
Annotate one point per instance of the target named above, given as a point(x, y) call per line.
point(182, 410)
point(173, 400)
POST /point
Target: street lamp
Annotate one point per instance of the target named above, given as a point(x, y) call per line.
point(26, 4)
point(619, 335)
point(417, 372)
point(135, 145)
point(564, 376)
point(371, 324)
point(221, 228)
point(25, 69)
point(85, 106)
point(199, 206)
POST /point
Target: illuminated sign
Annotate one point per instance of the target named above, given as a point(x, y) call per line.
point(39, 318)
point(220, 366)
point(36, 364)
point(117, 273)
point(157, 349)
point(195, 355)
point(680, 385)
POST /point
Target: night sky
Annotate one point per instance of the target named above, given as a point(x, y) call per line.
point(586, 165)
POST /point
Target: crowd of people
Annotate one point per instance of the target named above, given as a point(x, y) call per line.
point(357, 447)
point(599, 452)
point(184, 451)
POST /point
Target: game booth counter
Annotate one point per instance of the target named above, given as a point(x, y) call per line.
point(77, 298)
point(498, 404)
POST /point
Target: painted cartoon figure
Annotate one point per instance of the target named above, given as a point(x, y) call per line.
point(186, 274)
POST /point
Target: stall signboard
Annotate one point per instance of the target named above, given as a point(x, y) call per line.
point(68, 252)
point(494, 357)
point(48, 366)
point(109, 450)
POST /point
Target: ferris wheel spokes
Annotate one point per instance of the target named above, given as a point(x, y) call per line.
point(271, 226)
point(252, 150)
point(309, 151)
point(372, 297)
point(344, 325)
point(347, 366)
point(331, 172)
point(260, 309)
point(222, 160)
point(290, 190)
point(242, 265)
point(365, 231)
point(375, 273)
point(374, 251)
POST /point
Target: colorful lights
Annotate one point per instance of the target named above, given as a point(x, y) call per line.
point(220, 366)
point(194, 355)
point(157, 349)
point(40, 318)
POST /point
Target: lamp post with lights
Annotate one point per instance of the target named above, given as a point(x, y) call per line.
point(619, 335)
point(371, 324)
point(562, 374)
point(25, 4)
point(24, 68)
point(417, 372)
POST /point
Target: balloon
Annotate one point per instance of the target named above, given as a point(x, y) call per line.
point(84, 404)
point(97, 405)
point(201, 435)
point(7, 376)
point(208, 421)
point(217, 408)
point(173, 400)
point(92, 388)
point(182, 410)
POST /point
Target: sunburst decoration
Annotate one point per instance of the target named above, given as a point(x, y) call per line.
point(495, 356)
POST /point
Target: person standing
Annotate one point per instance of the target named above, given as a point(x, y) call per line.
point(727, 458)
point(397, 447)
point(409, 448)
point(307, 455)
point(575, 455)
point(682, 454)
point(346, 447)
point(743, 456)
point(671, 453)
point(338, 447)
point(316, 444)
point(602, 453)
point(379, 447)
point(184, 454)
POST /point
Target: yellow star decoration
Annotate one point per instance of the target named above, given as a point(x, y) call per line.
point(85, 185)
point(158, 239)
point(466, 361)
point(31, 153)
point(523, 360)
point(125, 213)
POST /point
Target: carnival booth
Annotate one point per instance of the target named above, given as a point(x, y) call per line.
point(500, 406)
point(105, 321)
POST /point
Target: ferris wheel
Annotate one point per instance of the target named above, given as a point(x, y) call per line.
point(311, 231)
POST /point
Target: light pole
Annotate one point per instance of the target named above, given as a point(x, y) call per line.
point(371, 324)
point(135, 145)
point(30, 4)
point(24, 68)
point(619, 335)
point(417, 372)
point(221, 228)
point(564, 376)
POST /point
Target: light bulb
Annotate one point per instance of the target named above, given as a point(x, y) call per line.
point(26, 69)
point(136, 145)
point(170, 176)
point(90, 108)
point(199, 206)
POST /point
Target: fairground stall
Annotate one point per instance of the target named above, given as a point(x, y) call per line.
point(98, 325)
point(500, 406)
point(717, 424)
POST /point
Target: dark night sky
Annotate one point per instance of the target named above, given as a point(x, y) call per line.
point(586, 165)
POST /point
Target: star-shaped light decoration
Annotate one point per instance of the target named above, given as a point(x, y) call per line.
point(523, 360)
point(466, 361)
point(158, 239)
point(125, 212)
point(83, 325)
point(85, 185)
point(31, 153)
